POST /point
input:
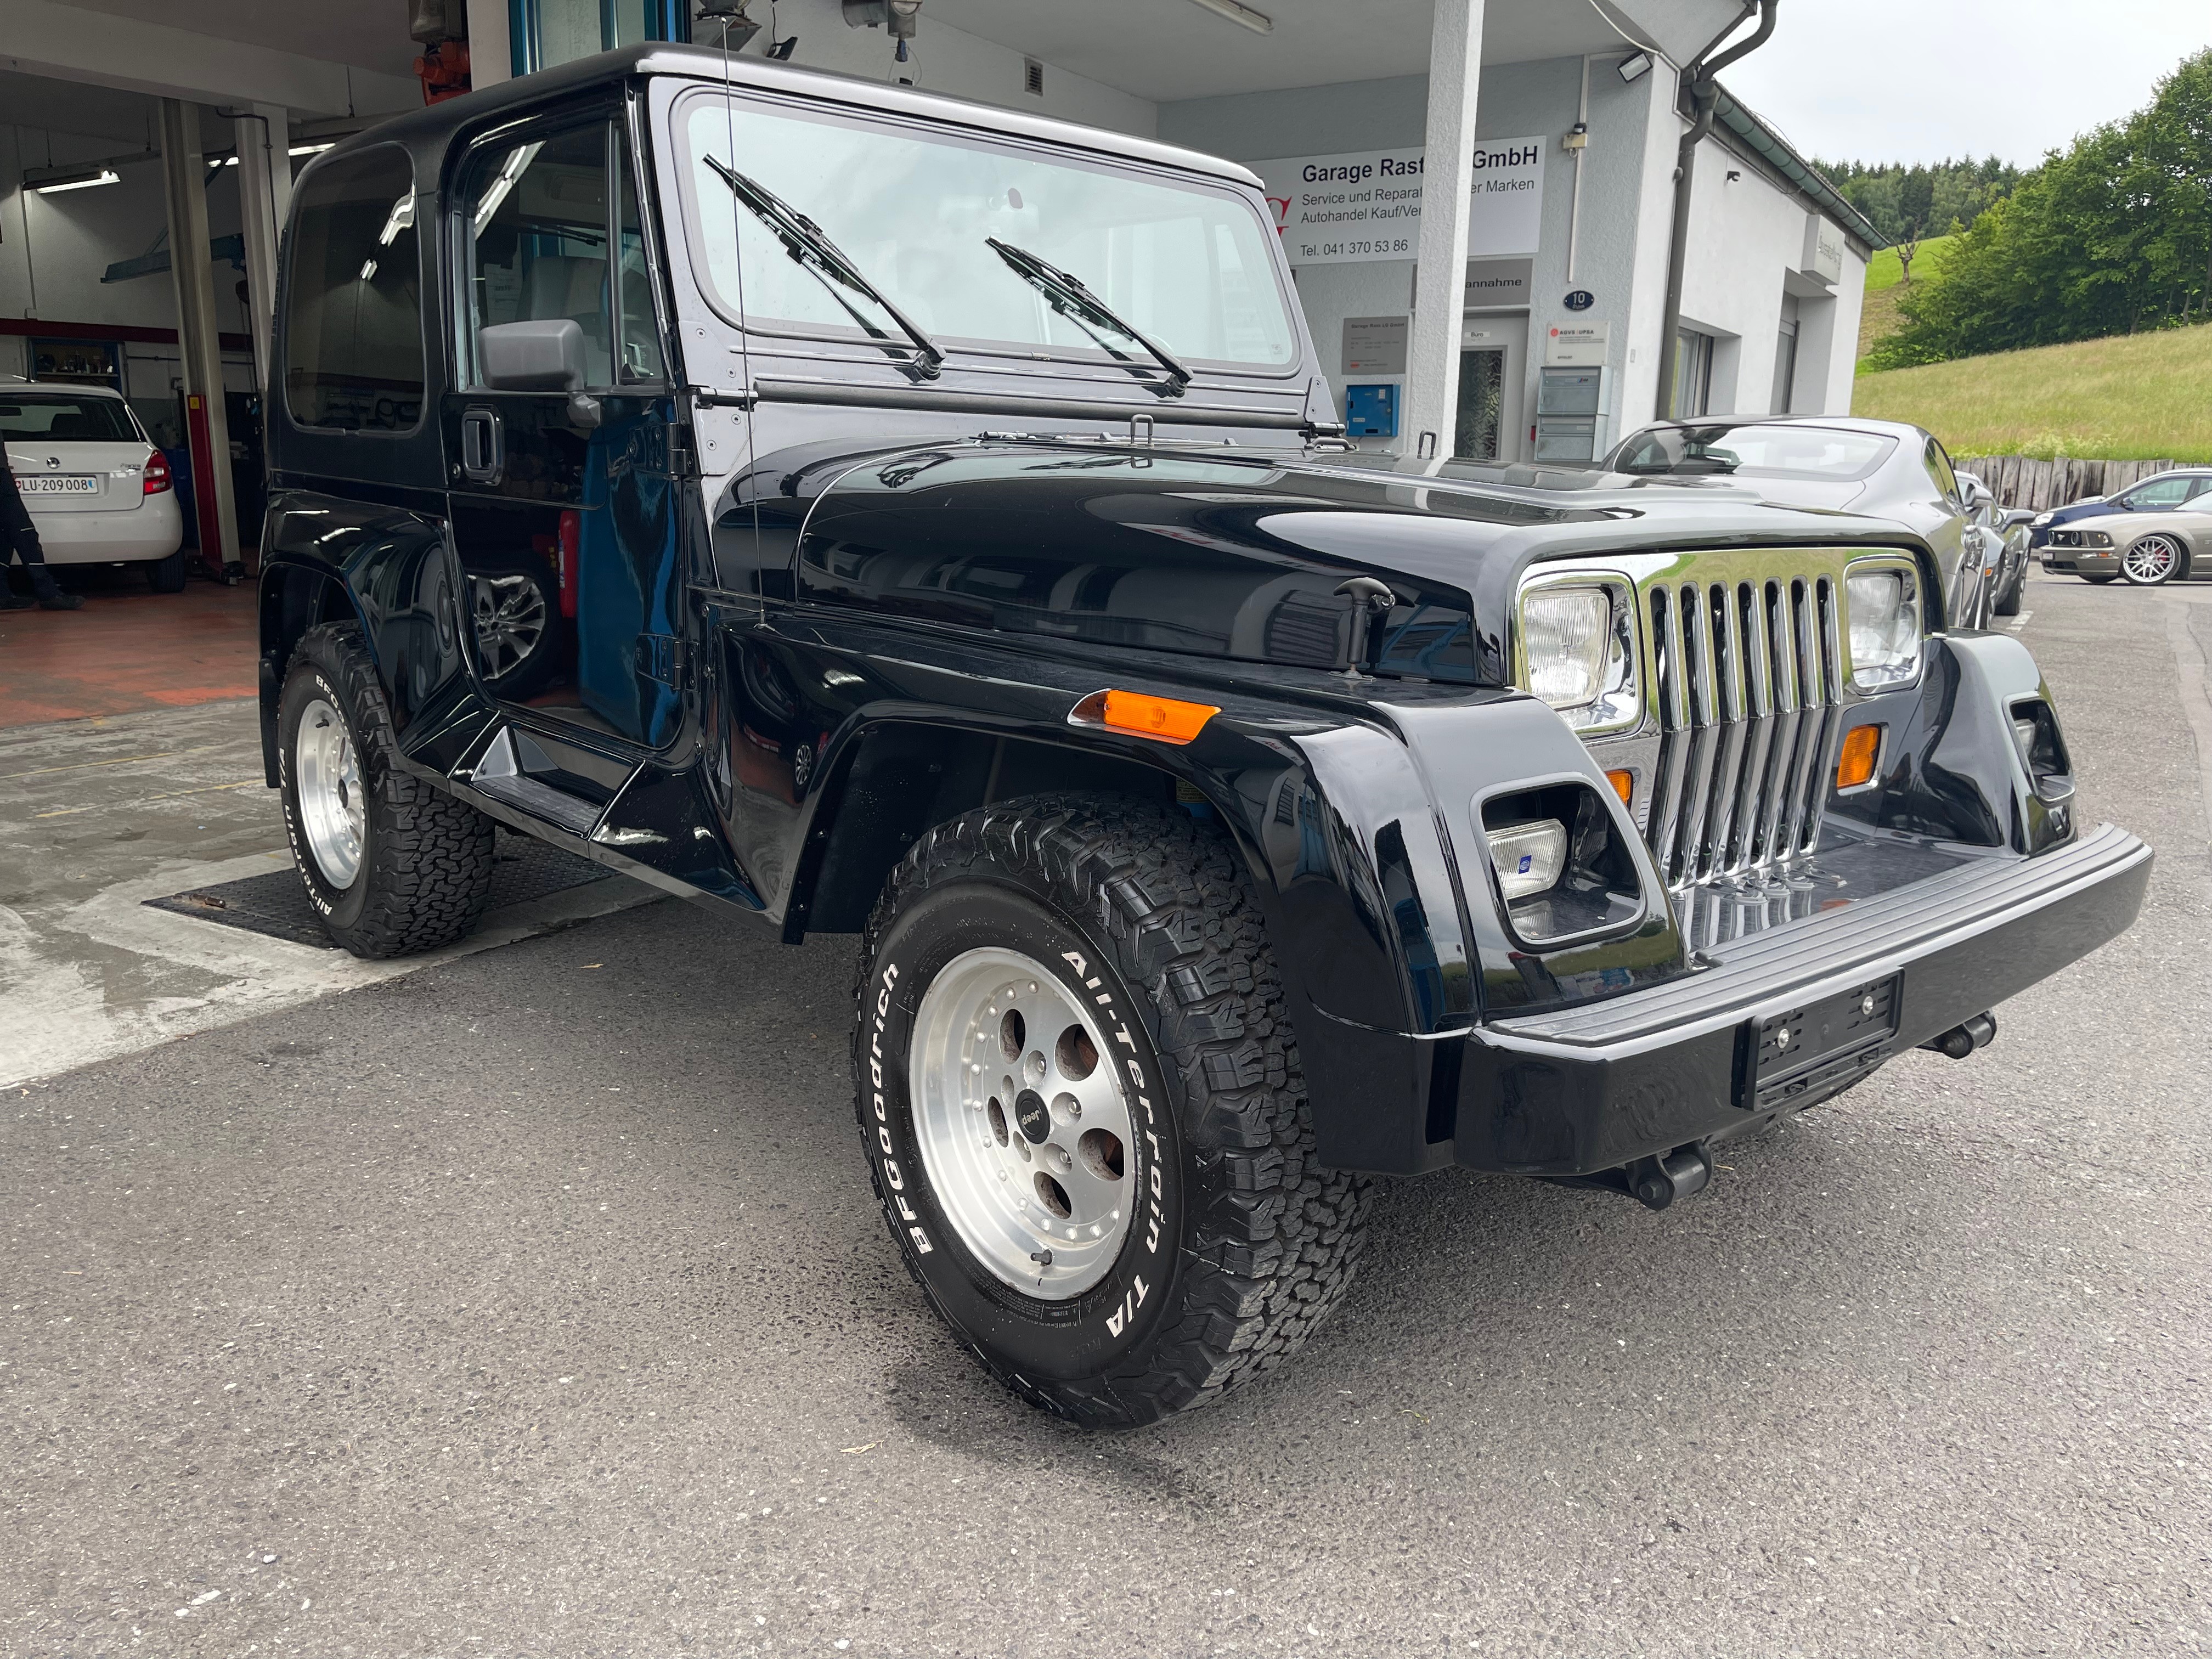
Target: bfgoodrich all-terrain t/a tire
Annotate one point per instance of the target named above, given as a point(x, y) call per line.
point(392, 864)
point(1084, 1111)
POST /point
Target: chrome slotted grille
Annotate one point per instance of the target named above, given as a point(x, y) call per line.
point(1749, 677)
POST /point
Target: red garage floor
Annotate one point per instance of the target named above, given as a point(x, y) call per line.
point(127, 650)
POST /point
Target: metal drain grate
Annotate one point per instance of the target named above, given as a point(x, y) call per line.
point(277, 905)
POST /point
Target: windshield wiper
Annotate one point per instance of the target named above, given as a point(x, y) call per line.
point(1081, 306)
point(804, 240)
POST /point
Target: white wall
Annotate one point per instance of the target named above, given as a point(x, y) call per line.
point(1746, 237)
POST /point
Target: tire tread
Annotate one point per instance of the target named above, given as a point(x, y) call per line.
point(1274, 1239)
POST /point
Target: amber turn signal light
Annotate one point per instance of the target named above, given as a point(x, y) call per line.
point(1162, 717)
point(1624, 785)
point(1855, 766)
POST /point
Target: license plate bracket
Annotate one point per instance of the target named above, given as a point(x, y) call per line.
point(1808, 1049)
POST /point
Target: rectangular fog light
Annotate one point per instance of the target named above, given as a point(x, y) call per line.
point(1528, 857)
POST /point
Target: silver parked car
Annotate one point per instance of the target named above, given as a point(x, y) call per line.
point(1878, 468)
point(2003, 532)
point(2150, 546)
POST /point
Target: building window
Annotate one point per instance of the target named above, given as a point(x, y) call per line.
point(352, 315)
point(1693, 374)
point(1785, 359)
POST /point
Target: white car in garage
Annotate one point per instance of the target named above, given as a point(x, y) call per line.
point(97, 488)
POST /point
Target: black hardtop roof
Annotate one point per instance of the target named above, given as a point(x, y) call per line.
point(431, 128)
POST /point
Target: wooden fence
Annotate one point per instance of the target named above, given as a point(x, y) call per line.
point(2018, 481)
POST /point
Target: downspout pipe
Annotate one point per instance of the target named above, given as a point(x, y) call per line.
point(1705, 97)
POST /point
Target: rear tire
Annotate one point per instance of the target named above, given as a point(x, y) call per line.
point(167, 575)
point(392, 863)
point(1133, 921)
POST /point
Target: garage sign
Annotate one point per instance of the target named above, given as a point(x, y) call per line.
point(1366, 205)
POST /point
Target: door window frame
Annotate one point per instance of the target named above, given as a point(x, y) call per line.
point(617, 119)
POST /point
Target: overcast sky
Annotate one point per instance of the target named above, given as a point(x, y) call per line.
point(1919, 80)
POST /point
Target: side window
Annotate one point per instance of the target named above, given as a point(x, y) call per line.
point(2160, 492)
point(536, 229)
point(353, 321)
point(1940, 473)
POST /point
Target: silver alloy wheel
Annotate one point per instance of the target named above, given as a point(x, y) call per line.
point(1023, 1122)
point(326, 776)
point(510, 619)
point(2151, 560)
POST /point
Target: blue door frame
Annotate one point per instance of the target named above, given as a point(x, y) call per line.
point(662, 20)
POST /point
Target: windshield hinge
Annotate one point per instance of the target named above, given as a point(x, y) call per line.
point(708, 397)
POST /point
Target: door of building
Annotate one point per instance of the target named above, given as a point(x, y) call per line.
point(1478, 433)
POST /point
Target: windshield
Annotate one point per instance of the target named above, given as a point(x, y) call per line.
point(51, 416)
point(1188, 265)
point(1756, 450)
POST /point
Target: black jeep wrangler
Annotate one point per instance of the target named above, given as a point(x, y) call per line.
point(881, 514)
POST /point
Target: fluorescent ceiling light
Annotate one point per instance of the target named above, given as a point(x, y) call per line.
point(311, 149)
point(1258, 21)
point(78, 181)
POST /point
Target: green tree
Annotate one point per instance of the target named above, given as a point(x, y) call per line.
point(2113, 235)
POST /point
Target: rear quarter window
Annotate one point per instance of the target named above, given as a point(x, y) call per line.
point(353, 317)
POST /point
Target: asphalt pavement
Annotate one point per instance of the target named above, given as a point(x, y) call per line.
point(536, 1303)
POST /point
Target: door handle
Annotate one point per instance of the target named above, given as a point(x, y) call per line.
point(483, 445)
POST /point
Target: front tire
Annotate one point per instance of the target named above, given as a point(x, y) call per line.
point(2154, 560)
point(1083, 1111)
point(392, 864)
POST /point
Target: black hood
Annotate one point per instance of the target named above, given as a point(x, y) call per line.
point(1243, 555)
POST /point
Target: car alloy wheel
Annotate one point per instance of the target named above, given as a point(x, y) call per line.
point(2151, 561)
point(510, 621)
point(1023, 1126)
point(327, 771)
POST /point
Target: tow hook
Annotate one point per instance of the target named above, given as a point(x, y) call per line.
point(1965, 1036)
point(1657, 1182)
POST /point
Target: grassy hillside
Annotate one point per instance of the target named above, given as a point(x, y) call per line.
point(2132, 398)
point(1884, 288)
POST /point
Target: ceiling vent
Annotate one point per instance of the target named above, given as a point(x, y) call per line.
point(1033, 77)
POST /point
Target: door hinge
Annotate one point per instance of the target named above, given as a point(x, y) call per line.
point(662, 657)
point(683, 452)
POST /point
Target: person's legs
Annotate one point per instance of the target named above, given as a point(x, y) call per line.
point(17, 531)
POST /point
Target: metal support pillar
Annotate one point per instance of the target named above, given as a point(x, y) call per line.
point(1447, 192)
point(265, 202)
point(207, 430)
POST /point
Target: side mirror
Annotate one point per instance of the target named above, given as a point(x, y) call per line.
point(545, 355)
